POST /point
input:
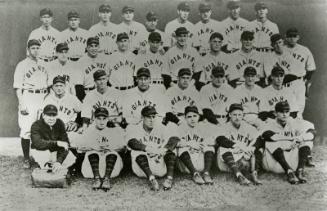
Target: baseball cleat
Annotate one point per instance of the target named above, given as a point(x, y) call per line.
point(291, 178)
point(254, 177)
point(300, 175)
point(96, 183)
point(242, 180)
point(154, 184)
point(106, 184)
point(198, 179)
point(167, 184)
point(27, 164)
point(207, 178)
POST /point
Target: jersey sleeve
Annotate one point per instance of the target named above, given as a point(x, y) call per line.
point(18, 77)
point(86, 107)
point(310, 64)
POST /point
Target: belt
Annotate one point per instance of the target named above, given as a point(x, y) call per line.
point(37, 91)
point(157, 82)
point(123, 87)
point(48, 59)
point(74, 59)
point(180, 114)
point(300, 78)
point(89, 89)
point(220, 116)
point(264, 49)
point(174, 81)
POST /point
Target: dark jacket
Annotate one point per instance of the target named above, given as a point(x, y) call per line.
point(45, 138)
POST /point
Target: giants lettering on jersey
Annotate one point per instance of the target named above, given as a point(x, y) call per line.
point(177, 99)
point(183, 56)
point(232, 28)
point(105, 103)
point(240, 138)
point(214, 97)
point(150, 62)
point(103, 139)
point(298, 57)
point(193, 138)
point(65, 110)
point(76, 39)
point(283, 64)
point(251, 100)
point(205, 31)
point(112, 35)
point(30, 72)
point(152, 139)
point(143, 104)
point(93, 67)
point(247, 62)
point(209, 67)
point(124, 63)
point(264, 29)
point(48, 38)
point(275, 100)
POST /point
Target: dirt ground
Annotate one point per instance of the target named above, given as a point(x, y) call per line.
point(131, 193)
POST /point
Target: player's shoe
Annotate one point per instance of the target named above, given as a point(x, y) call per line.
point(291, 178)
point(154, 183)
point(198, 179)
point(242, 180)
point(300, 175)
point(168, 183)
point(309, 162)
point(207, 178)
point(96, 183)
point(254, 177)
point(27, 164)
point(106, 184)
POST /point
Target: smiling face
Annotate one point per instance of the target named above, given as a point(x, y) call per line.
point(236, 117)
point(247, 44)
point(250, 80)
point(62, 56)
point(217, 81)
point(262, 13)
point(101, 83)
point(182, 39)
point(93, 49)
point(183, 15)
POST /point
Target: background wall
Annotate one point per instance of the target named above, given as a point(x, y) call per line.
point(20, 17)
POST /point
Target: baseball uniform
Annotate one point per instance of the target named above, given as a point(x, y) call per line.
point(107, 34)
point(173, 25)
point(262, 33)
point(284, 60)
point(137, 33)
point(76, 41)
point(165, 40)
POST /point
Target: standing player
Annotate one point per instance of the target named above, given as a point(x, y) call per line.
point(152, 149)
point(204, 28)
point(30, 84)
point(105, 30)
point(233, 27)
point(263, 28)
point(75, 36)
point(136, 31)
point(183, 11)
point(47, 36)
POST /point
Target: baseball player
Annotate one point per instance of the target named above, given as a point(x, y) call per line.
point(183, 11)
point(216, 97)
point(47, 36)
point(233, 27)
point(288, 143)
point(74, 36)
point(143, 95)
point(101, 144)
point(204, 28)
point(152, 149)
point(263, 28)
point(304, 66)
point(239, 156)
point(245, 57)
point(136, 31)
point(122, 64)
point(105, 30)
point(30, 84)
point(196, 146)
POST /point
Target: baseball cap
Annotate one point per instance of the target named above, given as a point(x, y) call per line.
point(184, 71)
point(282, 106)
point(98, 74)
point(233, 5)
point(92, 40)
point(143, 72)
point(292, 32)
point(148, 111)
point(184, 6)
point(235, 106)
point(101, 111)
point(59, 79)
point(181, 30)
point(250, 71)
point(218, 71)
point(33, 42)
point(50, 110)
point(204, 7)
point(105, 8)
point(216, 35)
point(277, 70)
point(154, 36)
point(73, 14)
point(62, 46)
point(247, 35)
point(189, 109)
point(122, 36)
point(46, 11)
point(151, 16)
point(127, 8)
point(275, 37)
point(260, 5)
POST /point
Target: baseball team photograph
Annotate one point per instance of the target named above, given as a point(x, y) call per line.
point(163, 105)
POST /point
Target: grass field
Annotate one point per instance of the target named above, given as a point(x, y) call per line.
point(132, 193)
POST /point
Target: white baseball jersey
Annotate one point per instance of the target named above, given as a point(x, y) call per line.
point(173, 25)
point(284, 60)
point(76, 41)
point(217, 99)
point(68, 106)
point(263, 32)
point(233, 30)
point(107, 35)
point(273, 96)
point(164, 39)
point(182, 58)
point(136, 31)
point(48, 39)
point(122, 68)
point(251, 100)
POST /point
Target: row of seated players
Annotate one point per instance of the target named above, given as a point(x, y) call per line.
point(282, 145)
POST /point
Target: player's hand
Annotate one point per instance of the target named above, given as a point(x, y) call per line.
point(62, 144)
point(202, 50)
point(142, 51)
point(81, 130)
point(56, 167)
point(162, 51)
point(71, 126)
point(23, 109)
point(298, 139)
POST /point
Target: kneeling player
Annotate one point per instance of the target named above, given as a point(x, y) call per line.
point(152, 149)
point(101, 145)
point(288, 144)
point(241, 152)
point(195, 150)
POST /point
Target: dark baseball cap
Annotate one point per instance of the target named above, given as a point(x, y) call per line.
point(260, 5)
point(61, 47)
point(235, 106)
point(184, 71)
point(189, 109)
point(33, 42)
point(122, 36)
point(277, 71)
point(104, 8)
point(101, 111)
point(50, 110)
point(181, 30)
point(98, 74)
point(73, 14)
point(184, 6)
point(204, 7)
point(282, 106)
point(148, 111)
point(275, 37)
point(216, 35)
point(92, 40)
point(46, 11)
point(218, 71)
point(127, 9)
point(292, 32)
point(233, 5)
point(247, 35)
point(59, 79)
point(154, 36)
point(143, 72)
point(151, 16)
point(250, 71)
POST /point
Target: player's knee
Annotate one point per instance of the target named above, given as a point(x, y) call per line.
point(140, 159)
point(93, 157)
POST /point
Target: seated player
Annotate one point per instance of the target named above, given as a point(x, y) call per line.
point(239, 156)
point(50, 144)
point(152, 149)
point(288, 143)
point(101, 145)
point(196, 147)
